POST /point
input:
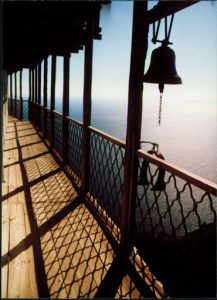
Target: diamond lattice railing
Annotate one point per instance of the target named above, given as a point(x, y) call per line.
point(106, 178)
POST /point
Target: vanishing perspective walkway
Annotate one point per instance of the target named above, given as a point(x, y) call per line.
point(51, 244)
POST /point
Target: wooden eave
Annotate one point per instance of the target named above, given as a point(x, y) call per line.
point(33, 30)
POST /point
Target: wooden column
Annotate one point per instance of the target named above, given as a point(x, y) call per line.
point(15, 94)
point(36, 84)
point(6, 100)
point(39, 97)
point(66, 106)
point(52, 103)
point(11, 95)
point(36, 96)
point(39, 83)
point(30, 94)
point(33, 85)
point(88, 58)
point(21, 96)
point(30, 85)
point(135, 92)
point(45, 97)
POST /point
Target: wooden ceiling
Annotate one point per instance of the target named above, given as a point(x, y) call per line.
point(33, 30)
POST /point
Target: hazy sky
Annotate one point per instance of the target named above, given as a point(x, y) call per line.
point(194, 37)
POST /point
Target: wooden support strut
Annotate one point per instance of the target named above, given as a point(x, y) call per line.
point(45, 97)
point(138, 54)
point(15, 94)
point(21, 97)
point(87, 109)
point(36, 96)
point(53, 82)
point(66, 74)
point(33, 95)
point(39, 97)
point(30, 94)
point(11, 94)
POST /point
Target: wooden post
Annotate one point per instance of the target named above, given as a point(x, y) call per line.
point(138, 54)
point(36, 84)
point(33, 96)
point(11, 95)
point(66, 106)
point(30, 94)
point(15, 94)
point(39, 97)
point(6, 100)
point(33, 85)
point(45, 97)
point(36, 97)
point(52, 104)
point(21, 97)
point(87, 109)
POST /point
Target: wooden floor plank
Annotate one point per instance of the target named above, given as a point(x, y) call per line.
point(75, 252)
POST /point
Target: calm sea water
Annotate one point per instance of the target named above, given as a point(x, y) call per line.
point(187, 135)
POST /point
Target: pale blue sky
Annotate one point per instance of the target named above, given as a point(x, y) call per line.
point(194, 38)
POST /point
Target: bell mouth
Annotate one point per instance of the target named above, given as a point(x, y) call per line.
point(175, 80)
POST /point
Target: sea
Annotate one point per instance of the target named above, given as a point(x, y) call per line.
point(187, 135)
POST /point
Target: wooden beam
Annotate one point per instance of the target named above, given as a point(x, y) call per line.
point(88, 58)
point(66, 74)
point(134, 117)
point(164, 9)
point(52, 102)
point(21, 95)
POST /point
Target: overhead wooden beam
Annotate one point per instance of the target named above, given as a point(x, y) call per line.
point(164, 9)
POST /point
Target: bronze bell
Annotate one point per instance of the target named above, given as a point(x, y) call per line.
point(162, 68)
point(143, 178)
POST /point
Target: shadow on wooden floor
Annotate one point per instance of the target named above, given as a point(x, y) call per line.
point(72, 256)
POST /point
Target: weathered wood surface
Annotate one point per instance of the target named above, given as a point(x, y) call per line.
point(72, 247)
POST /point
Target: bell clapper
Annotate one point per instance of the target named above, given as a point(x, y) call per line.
point(160, 109)
point(161, 88)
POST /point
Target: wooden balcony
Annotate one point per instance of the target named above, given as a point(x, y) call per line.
point(51, 243)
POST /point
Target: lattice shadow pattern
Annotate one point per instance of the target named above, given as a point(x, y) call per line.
point(178, 227)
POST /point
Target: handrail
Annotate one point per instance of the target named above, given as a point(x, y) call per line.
point(110, 138)
point(197, 181)
point(74, 121)
point(191, 178)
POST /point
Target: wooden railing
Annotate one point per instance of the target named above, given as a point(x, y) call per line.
point(182, 209)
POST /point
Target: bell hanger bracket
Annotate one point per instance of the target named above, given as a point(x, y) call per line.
point(167, 32)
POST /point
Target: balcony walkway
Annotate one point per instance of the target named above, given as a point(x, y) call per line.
point(51, 244)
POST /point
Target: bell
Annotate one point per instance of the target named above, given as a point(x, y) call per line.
point(162, 69)
point(160, 184)
point(143, 179)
